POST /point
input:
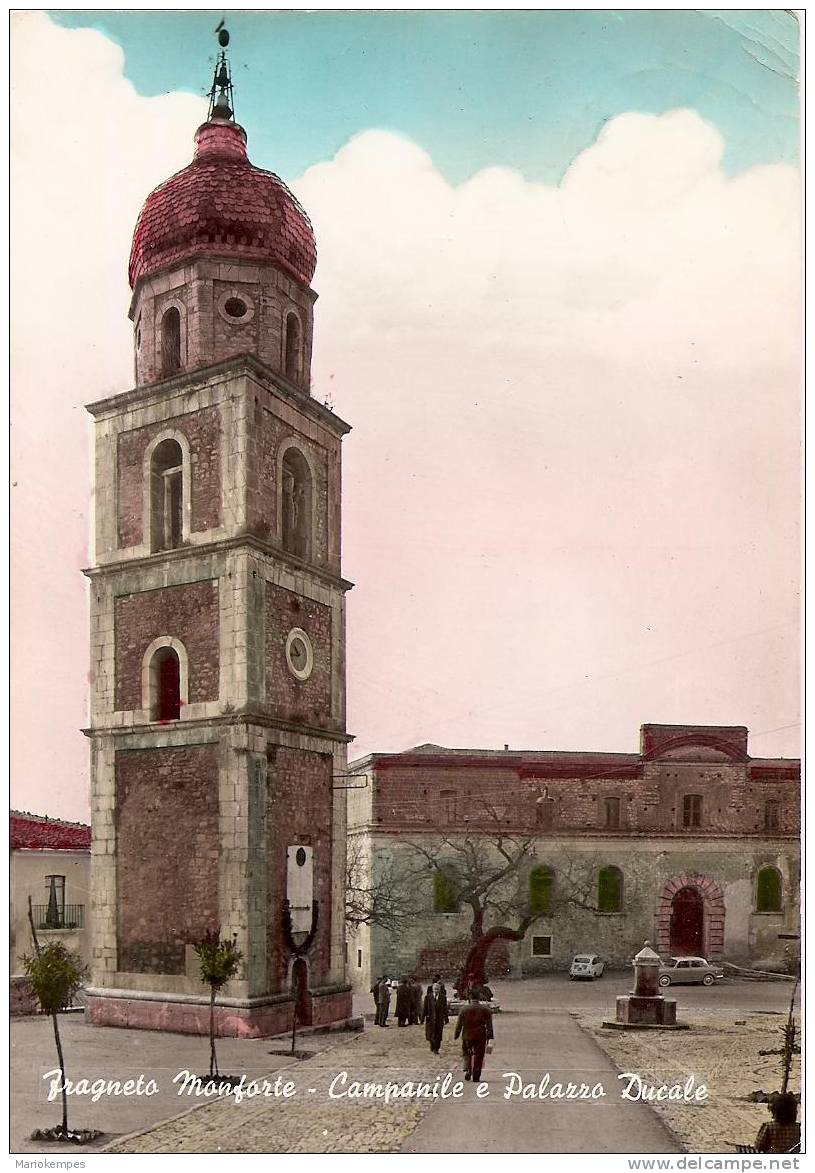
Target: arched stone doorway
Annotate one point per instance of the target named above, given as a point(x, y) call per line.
point(688, 923)
point(690, 917)
point(300, 991)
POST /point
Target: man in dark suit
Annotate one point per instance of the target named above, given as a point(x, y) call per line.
point(384, 1003)
point(475, 1027)
point(435, 1013)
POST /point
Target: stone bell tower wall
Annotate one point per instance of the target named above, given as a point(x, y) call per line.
point(202, 292)
point(167, 899)
point(202, 431)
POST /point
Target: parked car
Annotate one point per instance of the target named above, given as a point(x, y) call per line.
point(586, 965)
point(456, 1005)
point(681, 970)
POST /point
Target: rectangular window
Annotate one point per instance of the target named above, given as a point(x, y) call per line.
point(449, 806)
point(55, 902)
point(612, 806)
point(692, 810)
point(544, 811)
point(445, 893)
point(359, 959)
point(541, 946)
point(772, 815)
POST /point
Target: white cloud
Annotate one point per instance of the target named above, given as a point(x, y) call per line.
point(574, 456)
point(85, 151)
point(571, 488)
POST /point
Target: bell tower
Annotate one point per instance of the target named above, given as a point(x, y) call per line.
point(218, 615)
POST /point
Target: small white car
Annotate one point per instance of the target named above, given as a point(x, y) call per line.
point(586, 965)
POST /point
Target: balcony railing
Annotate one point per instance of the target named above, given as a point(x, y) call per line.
point(72, 916)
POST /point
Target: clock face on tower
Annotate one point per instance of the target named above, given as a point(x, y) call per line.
point(299, 653)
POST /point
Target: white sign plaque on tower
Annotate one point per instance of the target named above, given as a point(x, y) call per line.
point(300, 886)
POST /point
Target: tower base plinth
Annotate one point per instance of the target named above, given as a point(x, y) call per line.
point(187, 1014)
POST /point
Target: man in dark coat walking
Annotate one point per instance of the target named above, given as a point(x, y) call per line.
point(404, 999)
point(435, 1013)
point(415, 1016)
point(475, 1027)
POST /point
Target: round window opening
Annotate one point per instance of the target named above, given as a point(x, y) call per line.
point(235, 307)
point(299, 654)
point(300, 857)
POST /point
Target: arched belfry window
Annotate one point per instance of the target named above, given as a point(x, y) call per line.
point(166, 686)
point(293, 357)
point(165, 679)
point(296, 503)
point(167, 496)
point(170, 341)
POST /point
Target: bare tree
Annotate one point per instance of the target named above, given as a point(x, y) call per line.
point(489, 869)
point(483, 869)
point(377, 895)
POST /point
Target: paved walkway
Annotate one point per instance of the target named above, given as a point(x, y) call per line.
point(532, 1043)
point(531, 1040)
point(529, 1043)
point(311, 1121)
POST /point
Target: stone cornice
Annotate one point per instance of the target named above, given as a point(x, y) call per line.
point(246, 716)
point(394, 829)
point(242, 364)
point(247, 541)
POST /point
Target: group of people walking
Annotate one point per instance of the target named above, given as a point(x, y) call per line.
point(474, 1023)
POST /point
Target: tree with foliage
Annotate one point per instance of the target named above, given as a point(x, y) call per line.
point(220, 961)
point(55, 973)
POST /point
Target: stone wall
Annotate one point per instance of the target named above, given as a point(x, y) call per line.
point(189, 613)
point(22, 1000)
point(168, 853)
point(208, 334)
point(300, 811)
point(449, 959)
point(304, 701)
point(650, 796)
point(574, 925)
point(269, 437)
point(203, 431)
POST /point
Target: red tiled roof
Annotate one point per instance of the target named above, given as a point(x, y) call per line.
point(39, 831)
point(222, 206)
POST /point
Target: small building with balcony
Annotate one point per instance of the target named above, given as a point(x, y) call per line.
point(50, 865)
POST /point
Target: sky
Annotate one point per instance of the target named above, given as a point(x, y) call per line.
point(559, 279)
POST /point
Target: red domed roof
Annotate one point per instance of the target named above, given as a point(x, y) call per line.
point(222, 206)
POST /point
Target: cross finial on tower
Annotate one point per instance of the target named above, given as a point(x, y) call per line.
point(221, 99)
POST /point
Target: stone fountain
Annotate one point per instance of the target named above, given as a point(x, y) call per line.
point(645, 1008)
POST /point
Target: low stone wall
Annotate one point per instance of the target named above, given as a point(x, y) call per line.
point(448, 960)
point(22, 1000)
